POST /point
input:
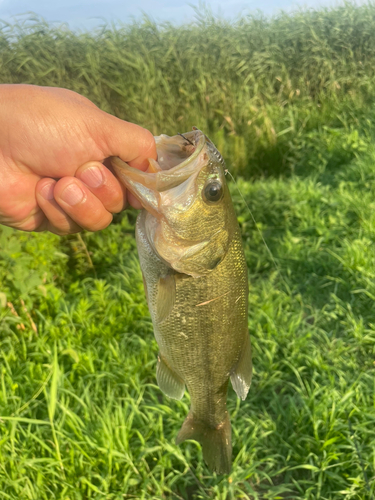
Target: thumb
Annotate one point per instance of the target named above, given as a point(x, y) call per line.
point(132, 143)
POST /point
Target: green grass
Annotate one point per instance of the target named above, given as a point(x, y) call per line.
point(81, 416)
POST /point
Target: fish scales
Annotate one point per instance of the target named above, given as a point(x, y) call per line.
point(195, 278)
point(206, 309)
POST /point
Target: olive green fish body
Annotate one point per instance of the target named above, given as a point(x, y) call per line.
point(203, 335)
point(195, 278)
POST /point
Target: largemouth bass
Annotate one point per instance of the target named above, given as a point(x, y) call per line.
point(195, 279)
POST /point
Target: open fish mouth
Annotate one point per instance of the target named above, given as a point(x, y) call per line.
point(178, 149)
point(179, 157)
point(181, 149)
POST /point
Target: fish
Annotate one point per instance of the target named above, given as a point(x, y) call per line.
point(195, 279)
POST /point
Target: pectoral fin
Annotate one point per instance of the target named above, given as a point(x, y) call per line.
point(166, 296)
point(241, 376)
point(170, 383)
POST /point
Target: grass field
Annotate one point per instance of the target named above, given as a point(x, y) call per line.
point(81, 416)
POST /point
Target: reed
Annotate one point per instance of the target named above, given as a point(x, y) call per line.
point(259, 87)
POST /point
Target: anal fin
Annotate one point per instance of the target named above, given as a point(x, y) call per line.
point(168, 381)
point(241, 375)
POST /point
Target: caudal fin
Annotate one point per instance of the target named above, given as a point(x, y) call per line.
point(216, 442)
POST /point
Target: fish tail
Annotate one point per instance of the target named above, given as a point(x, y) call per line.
point(216, 442)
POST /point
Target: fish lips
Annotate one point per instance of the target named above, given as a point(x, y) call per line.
point(148, 186)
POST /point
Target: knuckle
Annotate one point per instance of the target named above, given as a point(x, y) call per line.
point(149, 145)
point(60, 223)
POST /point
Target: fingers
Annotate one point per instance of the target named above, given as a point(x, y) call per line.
point(57, 221)
point(86, 201)
point(133, 200)
point(79, 203)
point(138, 147)
point(70, 206)
point(130, 142)
point(104, 185)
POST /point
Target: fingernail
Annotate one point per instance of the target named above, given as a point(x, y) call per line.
point(47, 191)
point(72, 194)
point(92, 177)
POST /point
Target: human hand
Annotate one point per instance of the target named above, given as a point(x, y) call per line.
point(52, 146)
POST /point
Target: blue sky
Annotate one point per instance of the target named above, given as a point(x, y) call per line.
point(85, 14)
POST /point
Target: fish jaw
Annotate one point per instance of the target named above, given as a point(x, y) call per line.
point(141, 184)
point(147, 186)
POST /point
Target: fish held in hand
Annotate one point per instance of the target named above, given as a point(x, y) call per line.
point(195, 279)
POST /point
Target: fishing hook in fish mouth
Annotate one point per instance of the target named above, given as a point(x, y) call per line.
point(186, 139)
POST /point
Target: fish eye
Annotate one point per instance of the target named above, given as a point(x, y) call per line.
point(213, 191)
